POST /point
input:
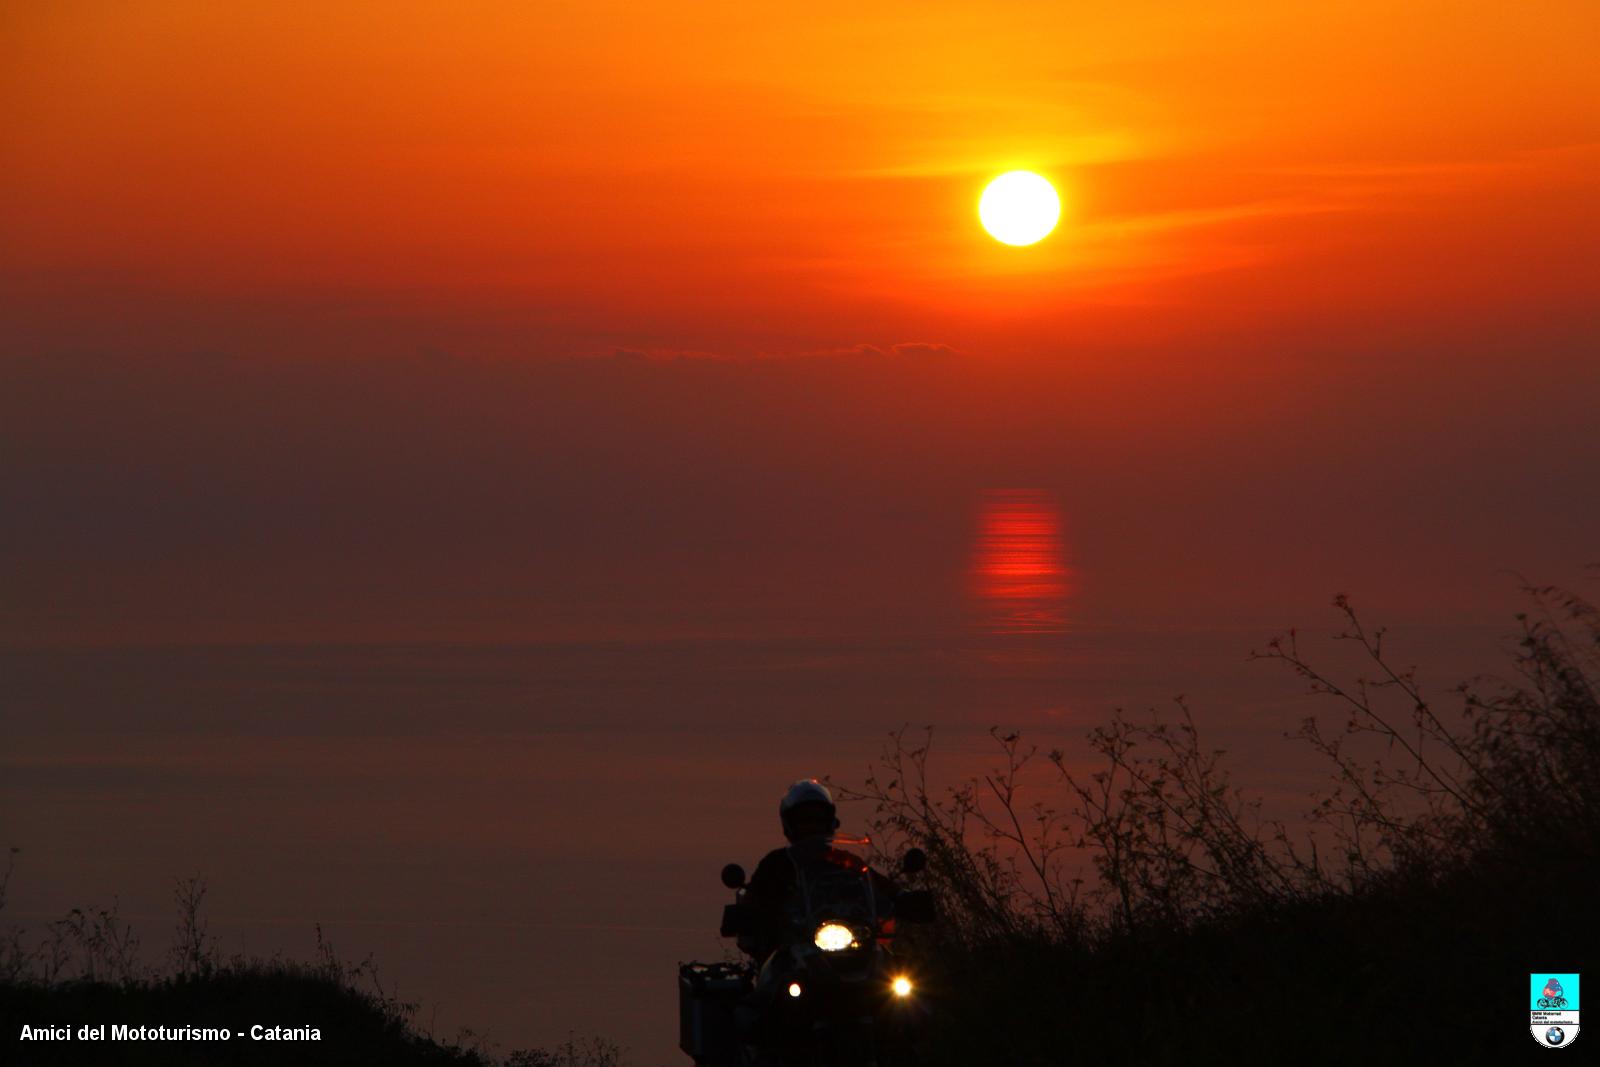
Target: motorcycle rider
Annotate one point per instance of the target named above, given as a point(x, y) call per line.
point(809, 819)
point(791, 887)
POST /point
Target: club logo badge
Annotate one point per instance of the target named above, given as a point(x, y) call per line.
point(1553, 1008)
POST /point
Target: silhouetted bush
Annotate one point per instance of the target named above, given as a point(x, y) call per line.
point(1454, 854)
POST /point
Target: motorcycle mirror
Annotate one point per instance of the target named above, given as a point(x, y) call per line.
point(733, 876)
point(913, 861)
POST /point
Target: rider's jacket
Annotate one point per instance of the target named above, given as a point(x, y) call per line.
point(777, 875)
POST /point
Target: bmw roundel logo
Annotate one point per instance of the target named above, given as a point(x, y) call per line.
point(1555, 1035)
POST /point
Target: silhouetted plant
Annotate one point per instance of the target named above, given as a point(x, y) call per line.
point(573, 1052)
point(193, 955)
point(1209, 932)
point(16, 960)
point(363, 975)
point(1518, 765)
point(1173, 840)
point(992, 891)
point(99, 941)
point(1537, 738)
point(1418, 793)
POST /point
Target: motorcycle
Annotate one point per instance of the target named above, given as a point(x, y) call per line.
point(825, 989)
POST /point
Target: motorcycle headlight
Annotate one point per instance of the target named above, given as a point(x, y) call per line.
point(834, 937)
point(901, 986)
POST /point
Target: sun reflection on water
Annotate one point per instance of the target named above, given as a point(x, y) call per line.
point(1020, 577)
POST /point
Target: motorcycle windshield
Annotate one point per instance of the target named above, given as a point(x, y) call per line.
point(833, 884)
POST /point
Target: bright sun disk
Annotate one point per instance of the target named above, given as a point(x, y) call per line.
point(1019, 208)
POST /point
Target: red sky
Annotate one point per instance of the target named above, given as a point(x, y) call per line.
point(293, 297)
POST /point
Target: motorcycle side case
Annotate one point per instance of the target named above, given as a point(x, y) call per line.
point(708, 994)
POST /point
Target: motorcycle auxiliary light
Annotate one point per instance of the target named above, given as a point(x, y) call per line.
point(834, 937)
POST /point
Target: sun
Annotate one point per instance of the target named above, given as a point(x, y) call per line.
point(1019, 208)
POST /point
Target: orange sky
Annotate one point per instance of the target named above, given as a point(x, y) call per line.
point(737, 178)
point(281, 284)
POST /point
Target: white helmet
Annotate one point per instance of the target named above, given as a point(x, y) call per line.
point(807, 791)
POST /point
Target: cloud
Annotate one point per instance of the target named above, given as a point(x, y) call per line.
point(665, 355)
point(903, 349)
point(863, 350)
point(924, 349)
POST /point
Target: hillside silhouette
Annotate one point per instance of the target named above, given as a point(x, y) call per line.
point(86, 970)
